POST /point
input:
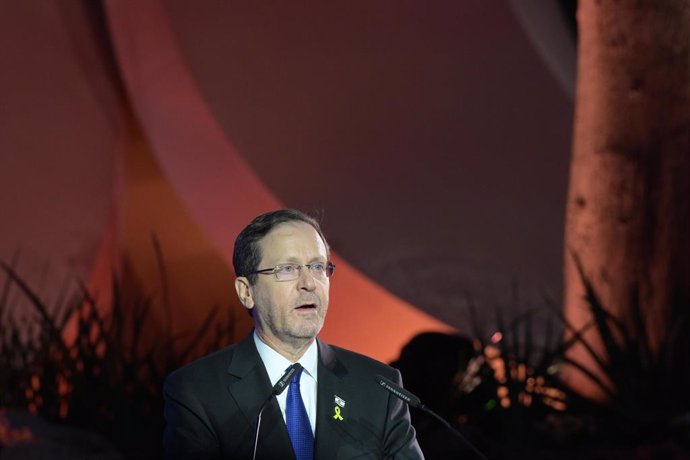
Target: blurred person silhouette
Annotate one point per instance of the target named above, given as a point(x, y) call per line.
point(432, 365)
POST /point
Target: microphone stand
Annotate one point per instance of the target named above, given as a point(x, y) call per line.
point(258, 427)
point(278, 388)
point(415, 402)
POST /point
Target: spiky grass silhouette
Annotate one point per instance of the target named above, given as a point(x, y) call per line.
point(646, 383)
point(516, 386)
point(97, 366)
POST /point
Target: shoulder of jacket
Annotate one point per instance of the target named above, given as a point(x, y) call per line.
point(216, 360)
point(349, 357)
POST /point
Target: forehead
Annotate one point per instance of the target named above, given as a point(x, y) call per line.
point(292, 241)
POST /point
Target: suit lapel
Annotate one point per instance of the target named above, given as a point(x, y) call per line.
point(347, 426)
point(331, 426)
point(249, 386)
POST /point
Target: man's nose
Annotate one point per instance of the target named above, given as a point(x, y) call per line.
point(306, 280)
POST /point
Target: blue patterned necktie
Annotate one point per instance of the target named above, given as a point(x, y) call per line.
point(297, 422)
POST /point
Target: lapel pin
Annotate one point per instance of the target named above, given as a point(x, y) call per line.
point(339, 403)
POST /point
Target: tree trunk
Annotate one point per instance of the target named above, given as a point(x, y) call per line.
point(628, 208)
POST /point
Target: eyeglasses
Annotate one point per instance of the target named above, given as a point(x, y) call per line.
point(290, 272)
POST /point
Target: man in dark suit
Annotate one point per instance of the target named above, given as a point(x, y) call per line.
point(334, 409)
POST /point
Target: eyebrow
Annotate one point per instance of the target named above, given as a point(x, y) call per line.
point(294, 260)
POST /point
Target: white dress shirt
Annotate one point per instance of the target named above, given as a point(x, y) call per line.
point(276, 364)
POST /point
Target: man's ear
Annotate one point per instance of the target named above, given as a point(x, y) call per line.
point(244, 292)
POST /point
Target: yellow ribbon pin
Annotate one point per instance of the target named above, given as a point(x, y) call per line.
point(337, 415)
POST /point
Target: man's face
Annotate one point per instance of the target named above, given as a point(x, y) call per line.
point(290, 311)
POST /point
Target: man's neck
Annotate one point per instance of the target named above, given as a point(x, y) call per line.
point(292, 351)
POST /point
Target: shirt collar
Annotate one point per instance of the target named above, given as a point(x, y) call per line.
point(275, 363)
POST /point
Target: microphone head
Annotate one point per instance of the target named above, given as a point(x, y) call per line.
point(287, 377)
point(398, 391)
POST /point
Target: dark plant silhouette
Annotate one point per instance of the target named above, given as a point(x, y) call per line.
point(97, 366)
point(498, 387)
point(646, 383)
point(509, 399)
point(510, 391)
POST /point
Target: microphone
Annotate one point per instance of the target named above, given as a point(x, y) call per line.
point(285, 380)
point(414, 401)
point(400, 392)
point(278, 388)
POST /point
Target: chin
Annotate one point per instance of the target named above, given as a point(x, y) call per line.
point(307, 332)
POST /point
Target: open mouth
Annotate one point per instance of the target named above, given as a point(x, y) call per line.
point(306, 307)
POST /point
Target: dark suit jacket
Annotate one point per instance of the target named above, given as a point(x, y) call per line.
point(211, 407)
